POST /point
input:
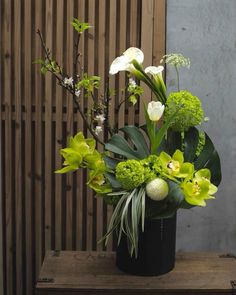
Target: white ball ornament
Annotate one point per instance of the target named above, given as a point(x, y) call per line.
point(157, 189)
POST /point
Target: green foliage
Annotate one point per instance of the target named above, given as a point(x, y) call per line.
point(80, 27)
point(134, 91)
point(89, 82)
point(190, 113)
point(47, 65)
point(120, 146)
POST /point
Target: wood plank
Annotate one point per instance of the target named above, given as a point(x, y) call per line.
point(95, 273)
point(100, 44)
point(80, 127)
point(90, 70)
point(28, 151)
point(38, 146)
point(2, 223)
point(48, 131)
point(7, 38)
point(59, 106)
point(146, 47)
point(19, 179)
point(159, 30)
point(70, 119)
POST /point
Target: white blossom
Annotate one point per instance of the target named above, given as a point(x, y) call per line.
point(157, 189)
point(132, 82)
point(68, 81)
point(98, 130)
point(77, 92)
point(100, 118)
point(124, 62)
point(155, 110)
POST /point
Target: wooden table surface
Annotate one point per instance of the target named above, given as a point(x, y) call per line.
point(71, 273)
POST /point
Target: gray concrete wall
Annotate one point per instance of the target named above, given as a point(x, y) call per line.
point(205, 31)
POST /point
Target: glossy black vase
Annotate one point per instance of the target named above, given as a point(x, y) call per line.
point(156, 249)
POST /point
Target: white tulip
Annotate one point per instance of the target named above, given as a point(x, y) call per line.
point(155, 110)
point(124, 62)
point(157, 189)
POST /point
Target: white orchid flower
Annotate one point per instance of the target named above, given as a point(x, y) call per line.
point(124, 62)
point(154, 70)
point(155, 110)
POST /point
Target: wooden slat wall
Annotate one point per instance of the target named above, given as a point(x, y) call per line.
point(41, 210)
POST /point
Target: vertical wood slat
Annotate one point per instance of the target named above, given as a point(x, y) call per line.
point(18, 147)
point(80, 125)
point(101, 72)
point(48, 130)
point(146, 45)
point(8, 272)
point(27, 144)
point(59, 135)
point(39, 202)
point(69, 121)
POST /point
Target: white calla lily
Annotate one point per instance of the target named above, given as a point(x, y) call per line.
point(154, 70)
point(124, 62)
point(155, 110)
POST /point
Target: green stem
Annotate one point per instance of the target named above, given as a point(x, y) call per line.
point(177, 74)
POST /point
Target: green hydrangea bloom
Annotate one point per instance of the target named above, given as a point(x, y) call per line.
point(190, 114)
point(151, 167)
point(130, 174)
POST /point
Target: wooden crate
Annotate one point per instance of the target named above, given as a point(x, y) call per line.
point(71, 272)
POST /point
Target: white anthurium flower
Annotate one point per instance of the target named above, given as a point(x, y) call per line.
point(154, 70)
point(124, 62)
point(157, 189)
point(155, 110)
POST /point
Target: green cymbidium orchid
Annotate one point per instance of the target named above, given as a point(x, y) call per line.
point(175, 166)
point(199, 188)
point(80, 152)
point(97, 182)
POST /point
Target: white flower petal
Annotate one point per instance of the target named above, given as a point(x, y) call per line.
point(154, 70)
point(124, 62)
point(121, 63)
point(134, 53)
point(155, 110)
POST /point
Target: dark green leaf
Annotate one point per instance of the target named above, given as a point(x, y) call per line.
point(111, 162)
point(138, 140)
point(190, 144)
point(113, 181)
point(174, 141)
point(118, 145)
point(209, 158)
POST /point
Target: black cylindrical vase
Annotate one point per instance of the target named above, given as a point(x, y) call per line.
point(156, 249)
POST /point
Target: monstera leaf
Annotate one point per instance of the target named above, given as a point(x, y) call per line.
point(120, 146)
point(208, 157)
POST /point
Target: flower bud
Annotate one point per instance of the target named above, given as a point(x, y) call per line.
point(157, 189)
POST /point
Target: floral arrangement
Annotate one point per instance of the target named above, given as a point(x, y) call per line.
point(148, 171)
